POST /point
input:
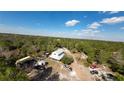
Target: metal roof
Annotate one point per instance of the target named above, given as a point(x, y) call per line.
point(58, 54)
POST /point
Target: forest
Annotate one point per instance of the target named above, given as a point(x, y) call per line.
point(14, 47)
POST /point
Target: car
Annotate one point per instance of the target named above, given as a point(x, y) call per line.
point(94, 72)
point(68, 67)
point(108, 77)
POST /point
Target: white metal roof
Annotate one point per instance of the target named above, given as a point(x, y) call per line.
point(59, 51)
point(58, 54)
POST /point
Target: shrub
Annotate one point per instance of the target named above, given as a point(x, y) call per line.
point(119, 77)
point(115, 66)
point(98, 56)
point(67, 60)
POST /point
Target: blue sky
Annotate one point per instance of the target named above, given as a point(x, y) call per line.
point(101, 25)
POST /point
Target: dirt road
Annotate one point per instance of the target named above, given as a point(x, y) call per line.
point(81, 72)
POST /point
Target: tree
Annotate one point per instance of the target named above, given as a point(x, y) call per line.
point(113, 64)
point(98, 56)
point(67, 60)
point(119, 77)
point(121, 69)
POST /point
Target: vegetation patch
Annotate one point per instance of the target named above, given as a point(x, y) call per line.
point(67, 60)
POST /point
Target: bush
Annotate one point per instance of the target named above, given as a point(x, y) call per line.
point(115, 66)
point(74, 50)
point(98, 57)
point(121, 69)
point(119, 77)
point(67, 60)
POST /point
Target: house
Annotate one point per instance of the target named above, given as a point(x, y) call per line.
point(58, 54)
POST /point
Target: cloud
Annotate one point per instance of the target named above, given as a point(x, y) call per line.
point(113, 20)
point(90, 32)
point(113, 12)
point(109, 12)
point(72, 23)
point(94, 25)
point(122, 28)
point(86, 32)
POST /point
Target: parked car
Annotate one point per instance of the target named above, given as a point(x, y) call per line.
point(68, 67)
point(108, 77)
point(94, 72)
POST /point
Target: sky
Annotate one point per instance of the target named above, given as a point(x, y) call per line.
point(99, 25)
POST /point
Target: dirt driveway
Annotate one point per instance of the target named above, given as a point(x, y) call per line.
point(81, 72)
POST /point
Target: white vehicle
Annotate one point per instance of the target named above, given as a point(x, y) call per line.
point(40, 63)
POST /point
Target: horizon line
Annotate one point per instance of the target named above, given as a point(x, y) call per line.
point(64, 37)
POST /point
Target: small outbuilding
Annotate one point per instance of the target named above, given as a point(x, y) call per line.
point(58, 54)
point(22, 60)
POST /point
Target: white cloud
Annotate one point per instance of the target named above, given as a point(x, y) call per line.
point(113, 12)
point(113, 20)
point(109, 12)
point(90, 32)
point(72, 23)
point(122, 28)
point(94, 25)
point(86, 33)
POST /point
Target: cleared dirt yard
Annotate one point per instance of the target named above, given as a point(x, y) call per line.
point(79, 71)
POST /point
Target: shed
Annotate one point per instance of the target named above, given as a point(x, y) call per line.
point(22, 60)
point(58, 54)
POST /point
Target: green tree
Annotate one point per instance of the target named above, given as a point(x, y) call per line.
point(67, 60)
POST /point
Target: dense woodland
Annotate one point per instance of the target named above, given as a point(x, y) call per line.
point(13, 47)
